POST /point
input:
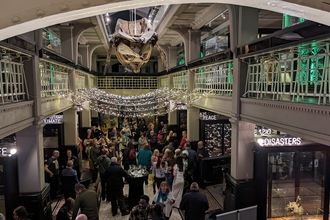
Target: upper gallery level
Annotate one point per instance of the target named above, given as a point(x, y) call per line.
point(283, 72)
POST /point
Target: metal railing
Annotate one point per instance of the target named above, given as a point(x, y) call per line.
point(128, 82)
point(80, 79)
point(54, 78)
point(13, 85)
point(298, 74)
point(216, 78)
point(163, 80)
point(180, 80)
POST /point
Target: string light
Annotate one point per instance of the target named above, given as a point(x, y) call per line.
point(150, 104)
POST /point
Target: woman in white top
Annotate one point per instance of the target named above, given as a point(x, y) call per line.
point(178, 182)
point(158, 171)
point(165, 197)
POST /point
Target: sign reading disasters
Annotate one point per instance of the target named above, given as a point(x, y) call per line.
point(290, 141)
point(55, 119)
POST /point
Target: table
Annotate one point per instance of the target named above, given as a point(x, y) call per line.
point(136, 189)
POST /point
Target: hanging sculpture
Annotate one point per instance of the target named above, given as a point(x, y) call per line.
point(133, 41)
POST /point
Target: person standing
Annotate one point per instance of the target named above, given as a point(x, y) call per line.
point(102, 163)
point(69, 156)
point(87, 202)
point(178, 182)
point(165, 197)
point(114, 180)
point(194, 204)
point(68, 180)
point(53, 169)
point(201, 153)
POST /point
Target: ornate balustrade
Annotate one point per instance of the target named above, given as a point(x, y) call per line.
point(180, 80)
point(54, 77)
point(13, 86)
point(216, 78)
point(297, 73)
point(127, 82)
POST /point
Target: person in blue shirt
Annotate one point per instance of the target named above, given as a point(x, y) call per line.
point(144, 158)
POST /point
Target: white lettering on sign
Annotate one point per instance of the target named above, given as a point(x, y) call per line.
point(55, 119)
point(263, 131)
point(3, 151)
point(279, 141)
point(205, 116)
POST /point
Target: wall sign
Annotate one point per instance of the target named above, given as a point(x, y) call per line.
point(207, 116)
point(279, 141)
point(55, 119)
point(3, 152)
point(263, 131)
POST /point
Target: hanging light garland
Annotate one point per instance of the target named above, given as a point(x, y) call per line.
point(150, 104)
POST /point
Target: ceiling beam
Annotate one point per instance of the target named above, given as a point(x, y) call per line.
point(207, 16)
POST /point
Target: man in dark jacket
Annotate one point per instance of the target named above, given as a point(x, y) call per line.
point(102, 163)
point(87, 202)
point(194, 204)
point(114, 178)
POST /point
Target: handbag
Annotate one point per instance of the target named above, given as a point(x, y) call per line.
point(91, 164)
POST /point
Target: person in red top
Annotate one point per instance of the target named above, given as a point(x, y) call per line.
point(183, 140)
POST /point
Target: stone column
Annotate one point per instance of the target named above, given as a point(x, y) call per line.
point(67, 42)
point(30, 159)
point(160, 64)
point(94, 63)
point(70, 122)
point(192, 124)
point(84, 52)
point(194, 45)
point(246, 17)
point(242, 136)
point(172, 57)
point(172, 116)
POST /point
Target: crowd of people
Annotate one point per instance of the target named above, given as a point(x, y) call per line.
point(171, 162)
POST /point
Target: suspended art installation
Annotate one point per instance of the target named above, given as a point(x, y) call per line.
point(158, 102)
point(133, 42)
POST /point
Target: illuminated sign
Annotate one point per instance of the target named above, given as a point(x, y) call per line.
point(279, 141)
point(207, 116)
point(263, 131)
point(55, 119)
point(3, 151)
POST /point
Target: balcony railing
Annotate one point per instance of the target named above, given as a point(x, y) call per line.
point(13, 86)
point(163, 81)
point(180, 80)
point(216, 78)
point(54, 77)
point(80, 79)
point(298, 74)
point(130, 82)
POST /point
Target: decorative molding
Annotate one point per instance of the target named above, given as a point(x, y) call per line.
point(325, 110)
point(51, 99)
point(16, 106)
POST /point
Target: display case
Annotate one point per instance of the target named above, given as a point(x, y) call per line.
point(293, 182)
point(215, 132)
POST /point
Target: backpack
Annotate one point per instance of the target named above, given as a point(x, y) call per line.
point(132, 154)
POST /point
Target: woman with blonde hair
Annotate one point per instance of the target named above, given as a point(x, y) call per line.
point(165, 197)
